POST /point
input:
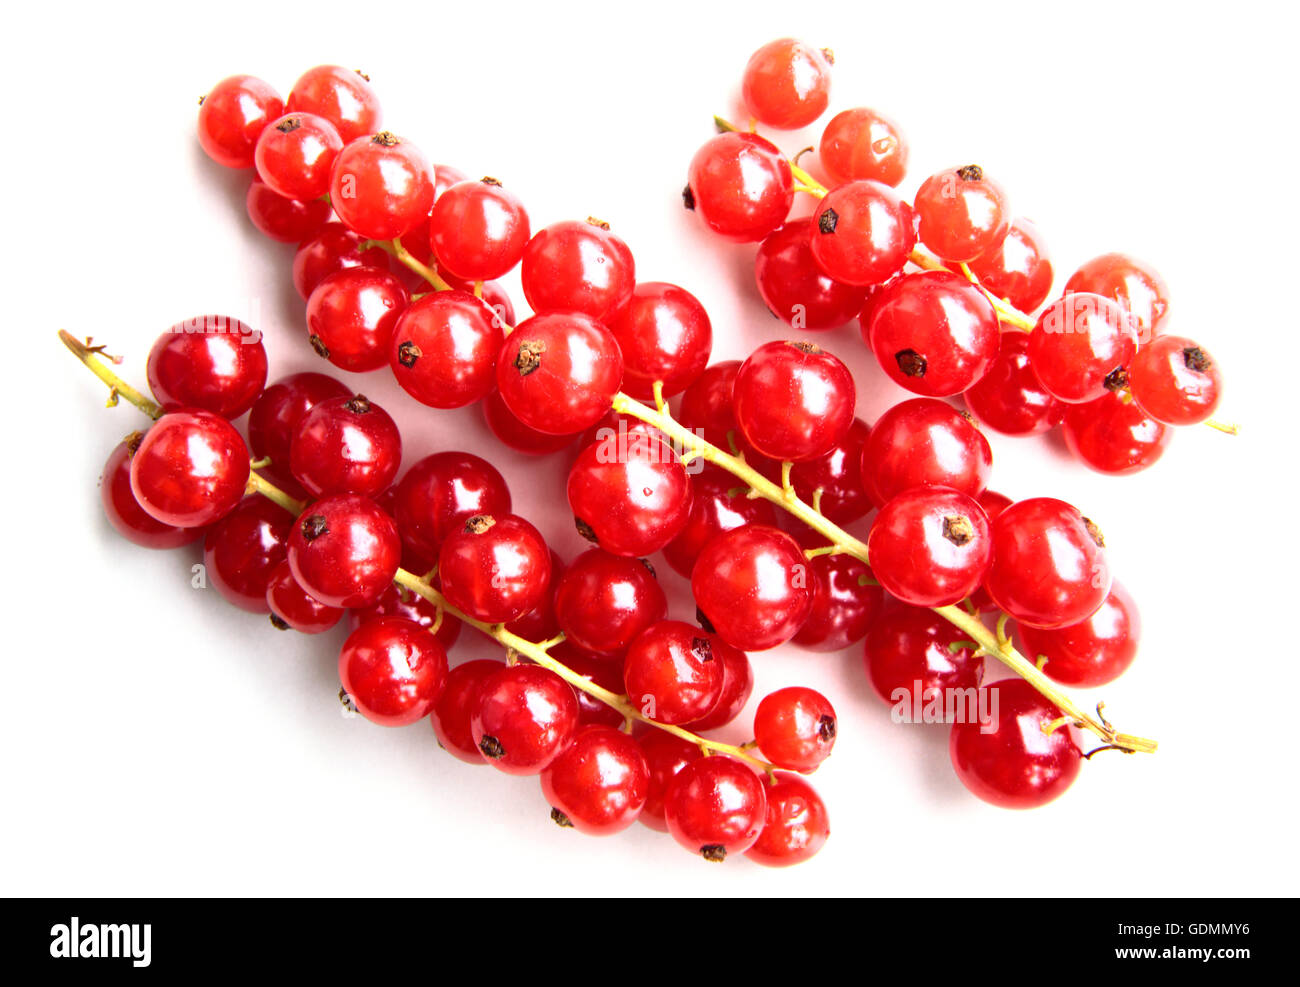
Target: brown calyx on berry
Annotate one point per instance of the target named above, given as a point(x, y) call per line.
point(201, 99)
point(958, 529)
point(688, 198)
point(385, 139)
point(560, 819)
point(704, 621)
point(970, 173)
point(479, 523)
point(584, 529)
point(362, 74)
point(1196, 359)
point(600, 224)
point(408, 353)
point(910, 363)
point(319, 346)
point(828, 55)
point(803, 346)
point(714, 852)
point(359, 405)
point(289, 124)
point(1094, 532)
point(1117, 379)
point(278, 622)
point(489, 180)
point(702, 648)
point(826, 728)
point(346, 702)
point(970, 420)
point(491, 748)
point(133, 442)
point(649, 568)
point(529, 357)
point(315, 526)
point(828, 220)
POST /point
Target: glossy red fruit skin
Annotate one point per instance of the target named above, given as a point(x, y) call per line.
point(715, 807)
point(796, 826)
point(994, 504)
point(1016, 765)
point(599, 669)
point(232, 117)
point(631, 492)
point(1094, 652)
point(838, 475)
point(933, 332)
point(793, 401)
point(741, 186)
point(1175, 381)
point(341, 96)
point(495, 569)
point(540, 623)
point(558, 373)
point(344, 551)
point(665, 755)
point(718, 504)
point(285, 220)
point(578, 267)
point(381, 186)
point(352, 315)
point(862, 233)
point(787, 84)
point(124, 512)
point(1079, 341)
point(190, 469)
point(664, 335)
point(843, 609)
point(912, 658)
point(1049, 564)
point(671, 673)
point(523, 719)
point(478, 230)
point(706, 405)
point(961, 213)
point(737, 686)
point(211, 362)
point(335, 248)
point(515, 434)
point(444, 349)
point(393, 670)
point(295, 153)
point(454, 708)
point(242, 550)
point(795, 289)
point(861, 144)
point(441, 492)
point(1113, 437)
point(345, 445)
point(275, 417)
point(924, 442)
point(930, 546)
point(603, 601)
point(795, 728)
point(398, 601)
point(752, 583)
point(1018, 268)
point(294, 606)
point(1009, 397)
point(1137, 287)
point(599, 783)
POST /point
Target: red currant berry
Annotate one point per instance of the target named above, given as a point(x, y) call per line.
point(292, 606)
point(232, 117)
point(346, 445)
point(665, 755)
point(707, 408)
point(285, 220)
point(718, 504)
point(381, 186)
point(598, 785)
point(924, 442)
point(1013, 762)
point(578, 267)
point(737, 685)
point(862, 145)
point(243, 549)
point(444, 349)
point(190, 469)
point(443, 491)
point(1136, 287)
point(559, 373)
point(495, 569)
point(335, 248)
point(630, 493)
point(1018, 268)
point(862, 234)
point(1009, 397)
point(341, 96)
point(837, 476)
point(752, 585)
point(398, 601)
point(454, 708)
point(599, 670)
point(603, 601)
point(741, 186)
point(994, 504)
point(795, 728)
point(715, 807)
point(962, 213)
point(1080, 347)
point(478, 230)
point(541, 623)
point(125, 513)
point(515, 434)
point(1049, 564)
point(523, 719)
point(211, 362)
point(793, 400)
point(930, 546)
point(352, 315)
point(933, 333)
point(1175, 381)
point(916, 661)
point(275, 417)
point(344, 551)
point(1094, 652)
point(393, 670)
point(671, 673)
point(295, 153)
point(664, 335)
point(796, 826)
point(1113, 436)
point(845, 601)
point(787, 84)
point(794, 288)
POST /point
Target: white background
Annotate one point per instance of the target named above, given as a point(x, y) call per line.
point(156, 741)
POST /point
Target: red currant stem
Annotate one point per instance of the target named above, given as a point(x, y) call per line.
point(816, 553)
point(259, 485)
point(478, 289)
point(660, 403)
point(1227, 429)
point(842, 541)
point(394, 248)
point(93, 358)
point(817, 499)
